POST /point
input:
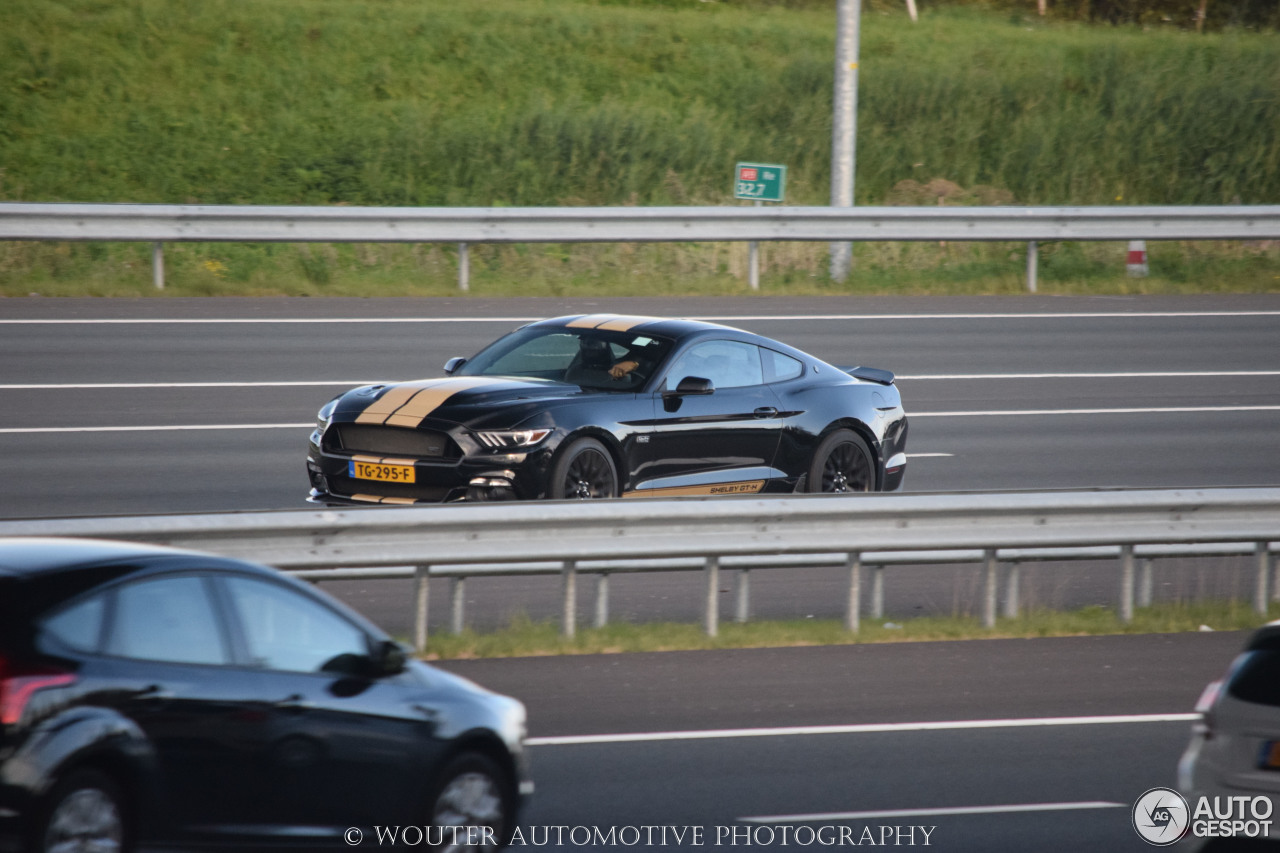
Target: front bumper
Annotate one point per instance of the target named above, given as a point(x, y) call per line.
point(473, 473)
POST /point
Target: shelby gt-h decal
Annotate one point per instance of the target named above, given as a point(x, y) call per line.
point(606, 405)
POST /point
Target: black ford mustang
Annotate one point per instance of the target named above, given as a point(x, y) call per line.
point(605, 405)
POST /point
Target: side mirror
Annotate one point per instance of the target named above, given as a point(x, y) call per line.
point(389, 658)
point(454, 363)
point(692, 386)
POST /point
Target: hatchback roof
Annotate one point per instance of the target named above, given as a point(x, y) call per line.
point(20, 556)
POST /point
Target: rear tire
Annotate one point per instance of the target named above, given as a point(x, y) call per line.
point(473, 792)
point(584, 471)
point(86, 811)
point(841, 465)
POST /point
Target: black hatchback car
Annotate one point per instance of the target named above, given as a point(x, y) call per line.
point(156, 698)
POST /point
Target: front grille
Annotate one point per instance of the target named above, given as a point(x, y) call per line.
point(390, 441)
point(345, 487)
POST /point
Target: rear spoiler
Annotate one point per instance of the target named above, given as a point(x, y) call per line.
point(871, 374)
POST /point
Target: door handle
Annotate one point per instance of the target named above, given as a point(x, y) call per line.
point(154, 694)
point(766, 412)
point(295, 702)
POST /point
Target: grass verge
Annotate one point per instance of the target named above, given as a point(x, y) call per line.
point(524, 637)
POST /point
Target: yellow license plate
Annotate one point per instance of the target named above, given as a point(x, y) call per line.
point(381, 472)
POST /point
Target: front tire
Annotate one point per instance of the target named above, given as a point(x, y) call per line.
point(473, 792)
point(86, 812)
point(585, 470)
point(841, 465)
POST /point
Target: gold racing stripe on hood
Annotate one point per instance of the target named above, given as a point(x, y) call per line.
point(428, 400)
point(380, 409)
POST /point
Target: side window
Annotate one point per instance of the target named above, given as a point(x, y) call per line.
point(79, 626)
point(167, 619)
point(779, 367)
point(290, 632)
point(728, 364)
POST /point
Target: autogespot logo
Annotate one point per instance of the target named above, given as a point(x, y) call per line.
point(1161, 816)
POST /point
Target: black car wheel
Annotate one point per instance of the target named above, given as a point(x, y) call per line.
point(584, 470)
point(842, 463)
point(475, 796)
point(85, 815)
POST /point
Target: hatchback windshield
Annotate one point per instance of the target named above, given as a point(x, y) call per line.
point(591, 358)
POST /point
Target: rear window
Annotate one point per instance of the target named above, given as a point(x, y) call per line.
point(1257, 679)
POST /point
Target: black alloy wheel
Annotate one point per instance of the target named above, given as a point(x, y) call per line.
point(584, 471)
point(842, 464)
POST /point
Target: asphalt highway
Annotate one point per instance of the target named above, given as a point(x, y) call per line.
point(1003, 745)
point(166, 405)
point(201, 405)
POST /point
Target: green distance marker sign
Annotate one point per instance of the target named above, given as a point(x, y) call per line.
point(759, 181)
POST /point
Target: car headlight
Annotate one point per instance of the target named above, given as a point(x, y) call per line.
point(504, 439)
point(326, 413)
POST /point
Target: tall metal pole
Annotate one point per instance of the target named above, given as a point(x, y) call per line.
point(844, 124)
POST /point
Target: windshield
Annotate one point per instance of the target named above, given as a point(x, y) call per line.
point(591, 358)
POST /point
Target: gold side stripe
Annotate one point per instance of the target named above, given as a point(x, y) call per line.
point(379, 410)
point(428, 400)
point(748, 487)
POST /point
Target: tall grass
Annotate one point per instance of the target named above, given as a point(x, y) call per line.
point(570, 102)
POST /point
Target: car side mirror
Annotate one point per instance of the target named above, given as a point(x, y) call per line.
point(454, 363)
point(692, 386)
point(389, 658)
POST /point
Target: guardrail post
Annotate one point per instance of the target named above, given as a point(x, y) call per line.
point(421, 575)
point(1146, 583)
point(853, 604)
point(569, 612)
point(464, 268)
point(1011, 603)
point(457, 604)
point(877, 592)
point(1033, 254)
point(602, 599)
point(744, 596)
point(1126, 584)
point(157, 265)
point(1260, 598)
point(712, 615)
point(992, 585)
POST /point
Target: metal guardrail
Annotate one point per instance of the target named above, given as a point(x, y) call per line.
point(608, 537)
point(246, 223)
point(161, 223)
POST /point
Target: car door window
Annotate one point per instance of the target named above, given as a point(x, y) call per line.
point(287, 631)
point(728, 364)
point(168, 619)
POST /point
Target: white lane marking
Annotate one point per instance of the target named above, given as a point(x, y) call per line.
point(862, 728)
point(754, 317)
point(1152, 411)
point(1165, 374)
point(357, 382)
point(940, 812)
point(929, 455)
point(95, 386)
point(1012, 413)
point(186, 428)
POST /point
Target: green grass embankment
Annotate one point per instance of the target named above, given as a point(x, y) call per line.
point(567, 102)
